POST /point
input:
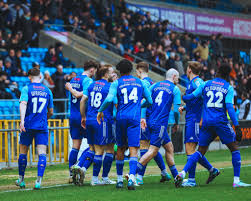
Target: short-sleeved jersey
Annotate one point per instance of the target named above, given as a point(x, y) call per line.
point(97, 92)
point(194, 106)
point(39, 98)
point(216, 94)
point(77, 84)
point(164, 94)
point(129, 93)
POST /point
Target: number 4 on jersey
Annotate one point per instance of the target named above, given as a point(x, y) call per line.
point(158, 99)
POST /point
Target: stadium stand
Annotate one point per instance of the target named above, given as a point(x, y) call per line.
point(128, 32)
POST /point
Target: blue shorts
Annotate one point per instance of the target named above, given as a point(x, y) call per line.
point(76, 130)
point(192, 132)
point(158, 135)
point(41, 137)
point(145, 134)
point(209, 133)
point(127, 133)
point(99, 134)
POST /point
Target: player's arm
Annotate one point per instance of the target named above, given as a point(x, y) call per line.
point(23, 106)
point(109, 99)
point(83, 104)
point(147, 95)
point(176, 105)
point(50, 106)
point(230, 108)
point(75, 93)
point(199, 85)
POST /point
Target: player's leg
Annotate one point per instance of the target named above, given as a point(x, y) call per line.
point(190, 149)
point(120, 166)
point(170, 158)
point(24, 143)
point(144, 145)
point(228, 137)
point(97, 163)
point(41, 141)
point(121, 141)
point(22, 163)
point(107, 163)
point(133, 138)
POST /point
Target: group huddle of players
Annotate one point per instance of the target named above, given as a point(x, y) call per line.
point(132, 112)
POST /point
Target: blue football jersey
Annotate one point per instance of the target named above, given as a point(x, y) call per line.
point(149, 82)
point(39, 98)
point(164, 94)
point(97, 92)
point(194, 106)
point(77, 84)
point(129, 93)
point(216, 94)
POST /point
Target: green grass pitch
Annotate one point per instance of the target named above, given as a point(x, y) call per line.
point(219, 190)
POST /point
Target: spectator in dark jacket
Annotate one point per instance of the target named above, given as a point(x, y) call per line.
point(59, 78)
point(50, 58)
point(27, 29)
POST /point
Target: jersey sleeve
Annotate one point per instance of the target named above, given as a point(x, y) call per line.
point(110, 97)
point(230, 95)
point(24, 94)
point(50, 105)
point(86, 83)
point(198, 85)
point(177, 96)
point(147, 93)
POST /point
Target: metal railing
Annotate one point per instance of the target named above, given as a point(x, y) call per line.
point(57, 145)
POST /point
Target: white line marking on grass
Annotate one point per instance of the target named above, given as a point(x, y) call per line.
point(62, 185)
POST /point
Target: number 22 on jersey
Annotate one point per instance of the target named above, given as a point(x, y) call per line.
point(218, 102)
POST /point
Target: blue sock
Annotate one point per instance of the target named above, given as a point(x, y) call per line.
point(82, 158)
point(41, 165)
point(205, 163)
point(89, 159)
point(142, 152)
point(140, 168)
point(173, 170)
point(236, 161)
point(192, 161)
point(73, 157)
point(119, 167)
point(133, 165)
point(22, 163)
point(160, 162)
point(192, 170)
point(97, 163)
point(107, 164)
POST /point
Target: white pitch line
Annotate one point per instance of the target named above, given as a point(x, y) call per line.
point(62, 185)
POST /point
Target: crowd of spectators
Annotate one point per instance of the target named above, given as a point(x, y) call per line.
point(129, 33)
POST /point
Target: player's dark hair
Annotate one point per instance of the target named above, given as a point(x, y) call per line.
point(101, 72)
point(195, 67)
point(91, 64)
point(124, 66)
point(224, 71)
point(34, 72)
point(143, 66)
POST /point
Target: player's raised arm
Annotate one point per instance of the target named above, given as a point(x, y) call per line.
point(74, 92)
point(23, 106)
point(110, 97)
point(199, 85)
point(147, 95)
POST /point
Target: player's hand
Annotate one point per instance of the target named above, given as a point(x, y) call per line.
point(143, 124)
point(238, 133)
point(22, 128)
point(181, 109)
point(83, 122)
point(175, 128)
point(68, 86)
point(100, 117)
